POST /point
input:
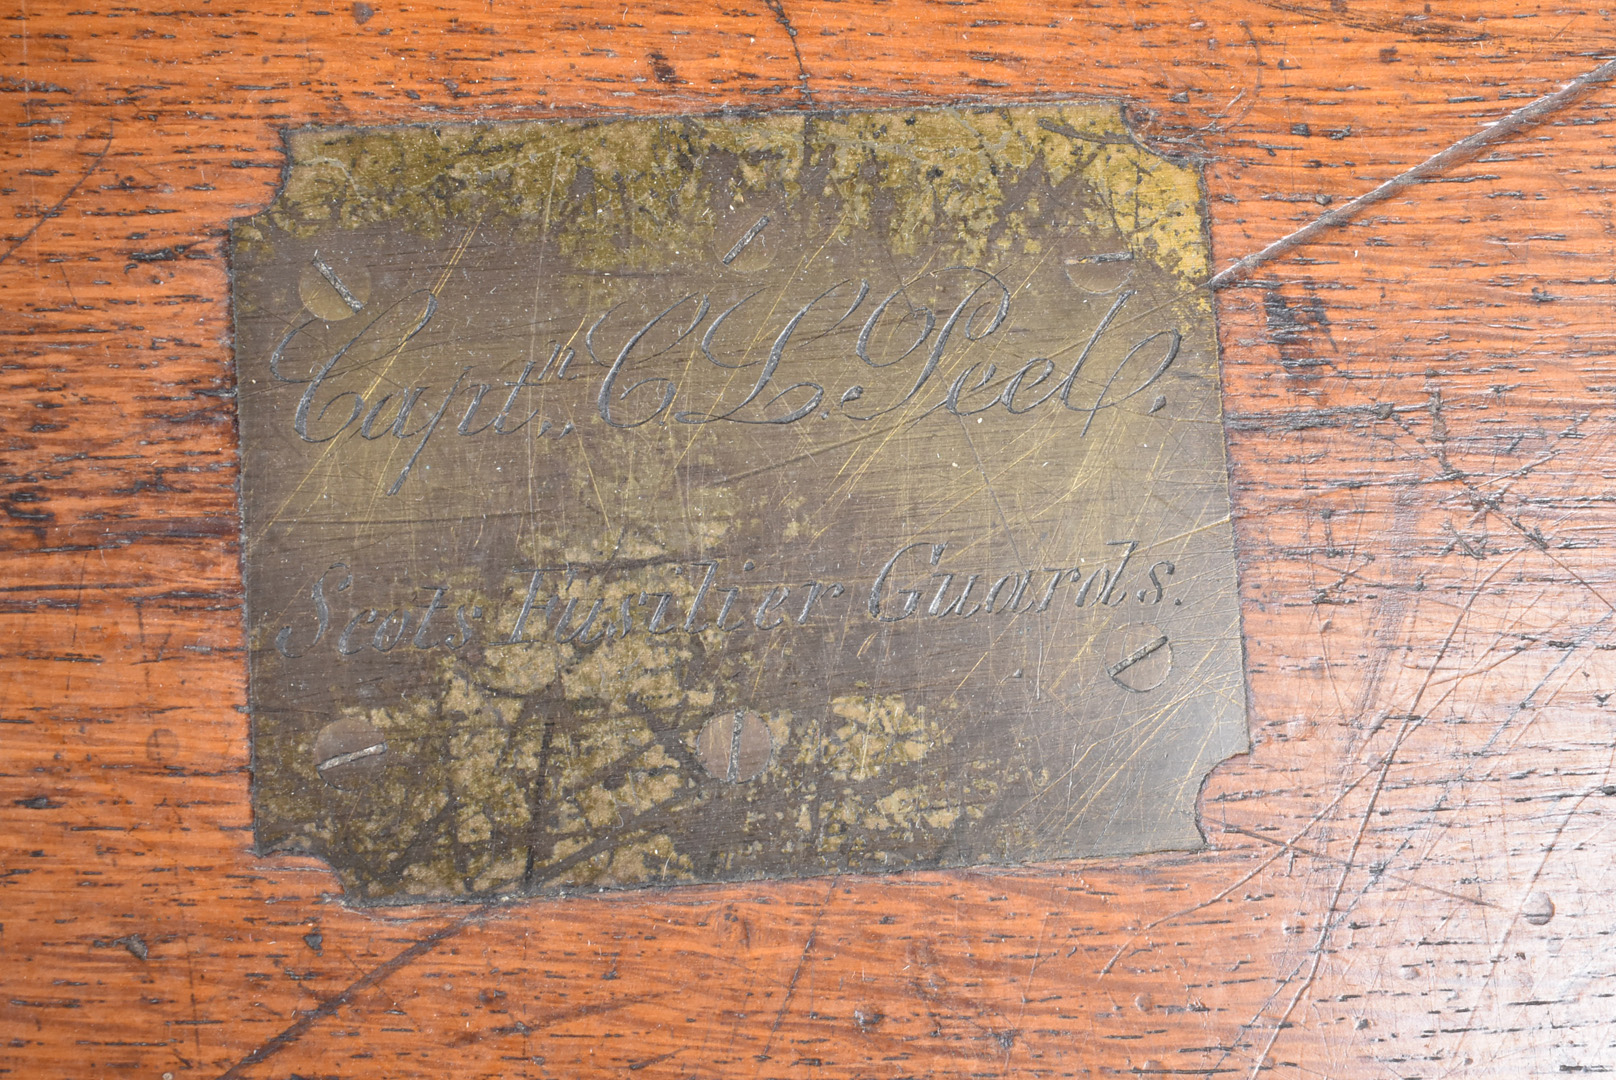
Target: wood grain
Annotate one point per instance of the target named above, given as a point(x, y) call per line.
point(1421, 433)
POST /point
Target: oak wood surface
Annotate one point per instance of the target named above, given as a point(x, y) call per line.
point(1408, 876)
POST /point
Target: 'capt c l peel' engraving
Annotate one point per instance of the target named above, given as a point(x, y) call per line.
point(334, 404)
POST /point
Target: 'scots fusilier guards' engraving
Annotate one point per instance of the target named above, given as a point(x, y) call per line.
point(705, 499)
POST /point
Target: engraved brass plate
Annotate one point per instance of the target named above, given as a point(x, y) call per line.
point(707, 499)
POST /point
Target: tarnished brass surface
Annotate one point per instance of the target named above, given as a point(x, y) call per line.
point(656, 501)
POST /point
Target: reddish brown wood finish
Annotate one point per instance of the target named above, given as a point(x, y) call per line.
point(1422, 437)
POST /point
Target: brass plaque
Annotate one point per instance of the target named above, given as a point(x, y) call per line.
point(707, 499)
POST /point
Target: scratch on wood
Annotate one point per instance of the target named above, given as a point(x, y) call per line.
point(336, 1001)
point(802, 961)
point(1527, 116)
point(1333, 914)
point(1381, 875)
point(95, 163)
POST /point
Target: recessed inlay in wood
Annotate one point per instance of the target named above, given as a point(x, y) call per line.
point(704, 499)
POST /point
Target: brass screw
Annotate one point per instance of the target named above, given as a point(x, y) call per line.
point(349, 752)
point(735, 747)
point(1138, 657)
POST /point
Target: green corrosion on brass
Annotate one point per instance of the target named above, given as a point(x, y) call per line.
point(690, 499)
point(623, 193)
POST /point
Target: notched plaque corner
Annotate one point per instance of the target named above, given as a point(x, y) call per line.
point(701, 499)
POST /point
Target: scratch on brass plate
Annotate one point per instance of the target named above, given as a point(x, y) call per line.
point(707, 499)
